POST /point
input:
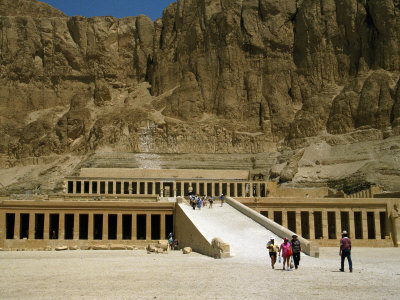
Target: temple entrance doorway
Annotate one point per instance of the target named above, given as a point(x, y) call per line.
point(168, 189)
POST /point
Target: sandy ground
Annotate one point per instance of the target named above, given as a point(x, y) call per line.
point(138, 275)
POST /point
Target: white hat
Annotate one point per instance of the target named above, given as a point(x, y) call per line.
point(271, 238)
point(344, 232)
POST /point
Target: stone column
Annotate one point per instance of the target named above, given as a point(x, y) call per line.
point(130, 187)
point(299, 230)
point(220, 188)
point(74, 187)
point(325, 225)
point(61, 226)
point(352, 225)
point(212, 189)
point(17, 225)
point(114, 182)
point(284, 218)
point(162, 189)
point(311, 224)
point(228, 189)
point(153, 188)
point(105, 226)
point(235, 189)
point(338, 224)
point(182, 189)
point(258, 193)
point(197, 188)
point(134, 227)
point(90, 187)
point(364, 224)
point(90, 227)
point(76, 226)
point(377, 225)
point(205, 188)
point(119, 227)
point(174, 188)
point(162, 225)
point(148, 227)
point(106, 187)
point(31, 234)
point(46, 227)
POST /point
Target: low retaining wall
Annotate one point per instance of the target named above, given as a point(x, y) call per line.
point(189, 235)
point(309, 248)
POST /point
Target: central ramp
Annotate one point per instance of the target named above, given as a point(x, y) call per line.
point(247, 238)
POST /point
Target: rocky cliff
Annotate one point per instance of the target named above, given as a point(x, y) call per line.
point(271, 77)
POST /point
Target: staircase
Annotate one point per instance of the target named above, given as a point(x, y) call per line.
point(247, 238)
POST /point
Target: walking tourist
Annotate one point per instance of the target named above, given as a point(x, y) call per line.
point(345, 251)
point(286, 251)
point(211, 201)
point(296, 249)
point(199, 202)
point(222, 199)
point(273, 249)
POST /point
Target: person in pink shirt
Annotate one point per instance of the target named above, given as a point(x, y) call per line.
point(286, 250)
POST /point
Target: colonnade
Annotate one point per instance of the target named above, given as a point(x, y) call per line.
point(91, 225)
point(168, 188)
point(328, 223)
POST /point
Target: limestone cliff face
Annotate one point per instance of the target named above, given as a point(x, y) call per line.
point(229, 76)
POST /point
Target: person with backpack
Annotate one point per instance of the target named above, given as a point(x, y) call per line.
point(222, 199)
point(296, 249)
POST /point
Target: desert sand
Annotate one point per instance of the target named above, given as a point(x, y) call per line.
point(138, 275)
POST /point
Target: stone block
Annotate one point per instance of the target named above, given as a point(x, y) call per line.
point(61, 248)
point(85, 247)
point(187, 250)
point(117, 247)
point(100, 247)
point(73, 248)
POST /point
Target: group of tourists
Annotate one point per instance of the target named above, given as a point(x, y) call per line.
point(290, 252)
point(201, 201)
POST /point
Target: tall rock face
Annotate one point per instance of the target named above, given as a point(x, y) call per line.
point(229, 76)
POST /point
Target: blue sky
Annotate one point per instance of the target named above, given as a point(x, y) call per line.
point(116, 8)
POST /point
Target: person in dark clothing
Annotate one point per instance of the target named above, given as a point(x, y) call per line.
point(296, 249)
point(345, 251)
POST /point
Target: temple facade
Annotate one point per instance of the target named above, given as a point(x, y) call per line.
point(131, 207)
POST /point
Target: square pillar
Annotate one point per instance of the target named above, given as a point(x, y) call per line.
point(311, 224)
point(284, 218)
point(161, 189)
point(46, 227)
point(90, 187)
point(130, 188)
point(235, 189)
point(258, 193)
point(74, 187)
point(148, 227)
point(90, 227)
point(205, 188)
point(105, 226)
point(352, 225)
point(119, 226)
point(134, 227)
point(114, 187)
point(146, 184)
point(162, 225)
point(17, 225)
point(298, 223)
point(106, 187)
point(182, 189)
point(31, 234)
point(61, 226)
point(364, 224)
point(377, 225)
point(325, 234)
point(174, 188)
point(212, 189)
point(153, 188)
point(220, 188)
point(338, 224)
point(76, 226)
point(228, 189)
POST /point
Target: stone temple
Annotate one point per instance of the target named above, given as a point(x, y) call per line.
point(122, 208)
